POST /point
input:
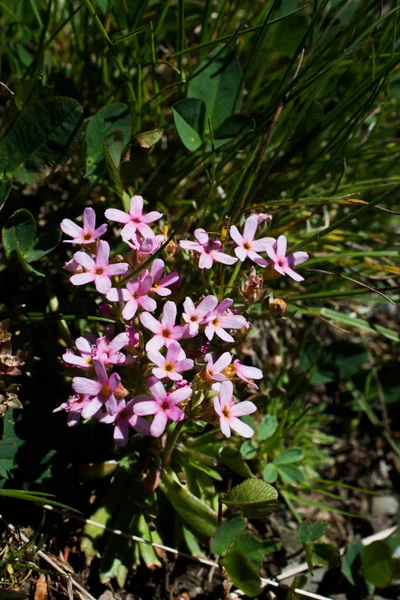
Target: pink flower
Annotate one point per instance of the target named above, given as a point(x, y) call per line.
point(282, 263)
point(163, 406)
point(214, 370)
point(247, 246)
point(218, 321)
point(229, 411)
point(261, 217)
point(209, 250)
point(86, 234)
point(85, 361)
point(109, 351)
point(124, 418)
point(134, 220)
point(135, 296)
point(195, 315)
point(245, 373)
point(101, 391)
point(98, 270)
point(74, 406)
point(160, 284)
point(165, 332)
point(171, 365)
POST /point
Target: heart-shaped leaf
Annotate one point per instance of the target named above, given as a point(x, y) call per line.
point(311, 532)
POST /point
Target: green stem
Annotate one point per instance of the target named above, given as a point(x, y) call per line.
point(118, 61)
point(171, 443)
point(234, 275)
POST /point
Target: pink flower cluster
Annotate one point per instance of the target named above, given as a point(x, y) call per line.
point(163, 348)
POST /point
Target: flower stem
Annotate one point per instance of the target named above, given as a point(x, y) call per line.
point(171, 443)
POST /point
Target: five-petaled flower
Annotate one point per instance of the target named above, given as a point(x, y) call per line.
point(164, 405)
point(135, 295)
point(165, 331)
point(209, 250)
point(125, 418)
point(195, 316)
point(284, 264)
point(101, 390)
point(134, 220)
point(172, 365)
point(247, 246)
point(218, 320)
point(86, 234)
point(98, 269)
point(160, 284)
point(228, 411)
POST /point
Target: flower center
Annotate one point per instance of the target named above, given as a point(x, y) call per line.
point(155, 285)
point(136, 295)
point(165, 405)
point(246, 246)
point(215, 322)
point(136, 220)
point(229, 371)
point(89, 361)
point(226, 411)
point(281, 262)
point(105, 390)
point(166, 333)
point(99, 271)
point(194, 318)
point(169, 367)
point(87, 236)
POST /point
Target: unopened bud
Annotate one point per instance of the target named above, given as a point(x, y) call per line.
point(121, 392)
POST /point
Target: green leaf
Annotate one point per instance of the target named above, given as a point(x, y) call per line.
point(189, 118)
point(243, 573)
point(42, 136)
point(254, 497)
point(192, 543)
point(311, 532)
point(111, 150)
point(325, 555)
point(255, 549)
point(270, 473)
point(44, 244)
point(226, 534)
point(291, 474)
point(248, 449)
point(147, 552)
point(217, 81)
point(267, 428)
point(111, 118)
point(377, 563)
point(115, 144)
point(359, 324)
point(351, 560)
point(289, 456)
point(231, 457)
point(232, 127)
point(196, 514)
point(5, 189)
point(19, 233)
point(148, 139)
point(9, 444)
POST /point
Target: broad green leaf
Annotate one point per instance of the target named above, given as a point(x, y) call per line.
point(311, 532)
point(196, 514)
point(377, 563)
point(42, 136)
point(111, 150)
point(325, 555)
point(351, 560)
point(231, 128)
point(242, 572)
point(115, 145)
point(267, 428)
point(249, 449)
point(110, 118)
point(289, 456)
point(255, 549)
point(231, 457)
point(290, 474)
point(270, 473)
point(217, 81)
point(19, 233)
point(43, 245)
point(148, 139)
point(189, 118)
point(5, 189)
point(254, 497)
point(226, 534)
